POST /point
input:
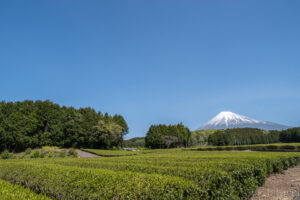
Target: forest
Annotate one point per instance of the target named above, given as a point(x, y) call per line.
point(31, 124)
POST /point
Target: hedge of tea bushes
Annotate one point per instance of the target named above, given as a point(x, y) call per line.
point(65, 182)
point(163, 175)
point(9, 191)
point(260, 147)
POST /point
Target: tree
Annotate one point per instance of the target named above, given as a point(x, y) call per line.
point(163, 136)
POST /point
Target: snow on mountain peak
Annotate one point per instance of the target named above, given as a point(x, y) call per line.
point(228, 119)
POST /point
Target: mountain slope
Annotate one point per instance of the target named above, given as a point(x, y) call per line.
point(227, 119)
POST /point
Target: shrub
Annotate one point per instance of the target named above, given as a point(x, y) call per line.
point(42, 154)
point(49, 148)
point(35, 154)
point(62, 154)
point(272, 147)
point(28, 151)
point(73, 153)
point(9, 191)
point(7, 155)
point(241, 148)
point(21, 156)
point(58, 182)
point(288, 147)
point(50, 154)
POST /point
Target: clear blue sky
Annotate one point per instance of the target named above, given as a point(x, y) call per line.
point(155, 61)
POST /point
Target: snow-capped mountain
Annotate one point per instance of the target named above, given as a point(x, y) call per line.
point(227, 119)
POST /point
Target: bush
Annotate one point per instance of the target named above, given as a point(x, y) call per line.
point(28, 151)
point(49, 148)
point(35, 154)
point(272, 147)
point(9, 191)
point(62, 154)
point(288, 147)
point(50, 154)
point(42, 155)
point(228, 148)
point(241, 148)
point(58, 182)
point(7, 155)
point(73, 153)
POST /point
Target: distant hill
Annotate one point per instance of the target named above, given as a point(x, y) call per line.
point(227, 119)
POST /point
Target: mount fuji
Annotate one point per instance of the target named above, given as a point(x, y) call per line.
point(227, 119)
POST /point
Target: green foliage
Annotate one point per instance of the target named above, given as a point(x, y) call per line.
point(290, 135)
point(73, 153)
point(62, 154)
point(35, 154)
point(167, 136)
point(135, 142)
point(158, 174)
point(242, 136)
point(21, 156)
point(200, 137)
point(49, 148)
point(59, 182)
point(32, 124)
point(28, 151)
point(42, 154)
point(7, 155)
point(257, 147)
point(113, 153)
point(50, 154)
point(9, 191)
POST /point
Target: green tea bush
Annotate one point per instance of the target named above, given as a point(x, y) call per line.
point(9, 191)
point(63, 182)
point(262, 147)
point(161, 174)
point(272, 147)
point(288, 147)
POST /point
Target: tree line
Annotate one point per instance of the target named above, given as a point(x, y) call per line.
point(30, 124)
point(243, 136)
point(172, 136)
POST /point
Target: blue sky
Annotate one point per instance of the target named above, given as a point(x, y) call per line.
point(155, 61)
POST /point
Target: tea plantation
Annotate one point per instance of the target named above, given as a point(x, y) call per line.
point(156, 174)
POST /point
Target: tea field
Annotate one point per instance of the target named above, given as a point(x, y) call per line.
point(155, 174)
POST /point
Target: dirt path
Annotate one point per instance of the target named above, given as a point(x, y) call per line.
point(280, 186)
point(84, 154)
